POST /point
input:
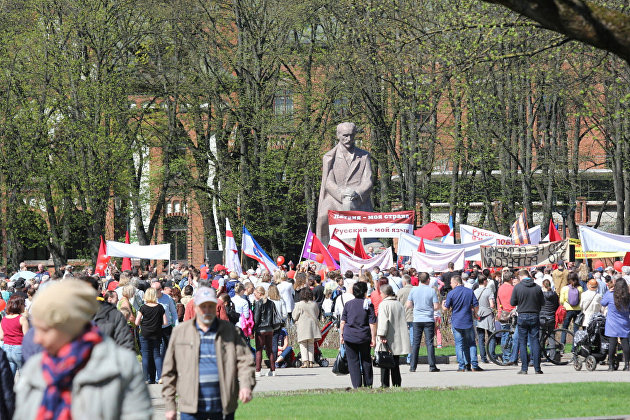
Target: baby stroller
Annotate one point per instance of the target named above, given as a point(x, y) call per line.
point(590, 347)
point(322, 361)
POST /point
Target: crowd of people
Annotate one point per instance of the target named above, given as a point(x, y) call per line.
point(69, 337)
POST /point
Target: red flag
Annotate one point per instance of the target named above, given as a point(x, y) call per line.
point(102, 259)
point(359, 251)
point(336, 246)
point(126, 262)
point(554, 235)
point(421, 246)
point(317, 247)
point(626, 259)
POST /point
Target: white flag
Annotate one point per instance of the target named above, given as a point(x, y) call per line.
point(232, 261)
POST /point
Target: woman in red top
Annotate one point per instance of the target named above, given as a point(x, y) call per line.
point(376, 296)
point(12, 329)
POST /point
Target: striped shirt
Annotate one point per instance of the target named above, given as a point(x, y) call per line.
point(209, 391)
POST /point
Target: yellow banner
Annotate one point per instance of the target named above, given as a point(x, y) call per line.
point(580, 254)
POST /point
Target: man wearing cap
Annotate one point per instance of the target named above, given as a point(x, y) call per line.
point(80, 374)
point(208, 366)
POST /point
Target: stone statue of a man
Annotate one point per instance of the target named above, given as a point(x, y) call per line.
point(346, 179)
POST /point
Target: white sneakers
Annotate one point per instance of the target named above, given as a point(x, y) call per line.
point(262, 374)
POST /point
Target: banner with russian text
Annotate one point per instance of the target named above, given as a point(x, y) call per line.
point(580, 254)
point(515, 256)
point(369, 224)
point(469, 233)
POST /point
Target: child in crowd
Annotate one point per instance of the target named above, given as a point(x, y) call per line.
point(327, 305)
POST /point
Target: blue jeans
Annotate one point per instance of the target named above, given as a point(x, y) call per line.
point(14, 354)
point(481, 338)
point(510, 352)
point(529, 328)
point(151, 357)
point(429, 330)
point(465, 347)
point(206, 416)
point(571, 315)
point(410, 329)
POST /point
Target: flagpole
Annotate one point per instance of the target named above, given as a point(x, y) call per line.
point(304, 244)
point(241, 245)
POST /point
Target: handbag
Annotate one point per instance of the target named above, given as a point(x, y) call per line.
point(278, 322)
point(579, 319)
point(503, 316)
point(340, 367)
point(384, 359)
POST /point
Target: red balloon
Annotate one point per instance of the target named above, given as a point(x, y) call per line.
point(617, 266)
point(3, 305)
point(280, 260)
point(319, 258)
point(597, 264)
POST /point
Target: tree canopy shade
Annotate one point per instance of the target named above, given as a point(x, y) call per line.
point(602, 27)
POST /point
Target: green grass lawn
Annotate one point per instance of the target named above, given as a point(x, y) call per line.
point(510, 402)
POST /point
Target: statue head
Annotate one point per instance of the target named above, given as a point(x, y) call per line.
point(345, 134)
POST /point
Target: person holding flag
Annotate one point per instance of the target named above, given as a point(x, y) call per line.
point(232, 261)
point(253, 250)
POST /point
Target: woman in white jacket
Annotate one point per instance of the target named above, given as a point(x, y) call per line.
point(590, 302)
point(392, 333)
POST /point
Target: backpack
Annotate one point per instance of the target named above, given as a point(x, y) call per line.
point(561, 313)
point(574, 296)
point(232, 315)
point(247, 324)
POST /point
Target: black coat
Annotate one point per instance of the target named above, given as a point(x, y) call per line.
point(112, 324)
point(7, 396)
point(263, 315)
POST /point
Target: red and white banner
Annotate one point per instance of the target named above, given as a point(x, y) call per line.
point(472, 234)
point(370, 225)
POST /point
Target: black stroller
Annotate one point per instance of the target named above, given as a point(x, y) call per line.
point(590, 347)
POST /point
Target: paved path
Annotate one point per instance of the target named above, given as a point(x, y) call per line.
point(316, 378)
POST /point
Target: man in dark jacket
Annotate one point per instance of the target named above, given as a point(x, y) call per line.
point(7, 396)
point(112, 324)
point(528, 297)
point(110, 320)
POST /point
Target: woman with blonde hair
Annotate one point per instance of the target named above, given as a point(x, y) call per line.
point(263, 328)
point(151, 317)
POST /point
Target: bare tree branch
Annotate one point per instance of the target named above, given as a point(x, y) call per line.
point(599, 26)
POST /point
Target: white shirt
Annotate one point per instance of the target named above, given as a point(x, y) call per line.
point(327, 306)
point(241, 306)
point(286, 293)
point(347, 297)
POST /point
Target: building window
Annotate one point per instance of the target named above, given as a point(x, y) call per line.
point(176, 206)
point(283, 102)
point(176, 233)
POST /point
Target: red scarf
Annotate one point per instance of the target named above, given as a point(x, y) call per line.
point(60, 370)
